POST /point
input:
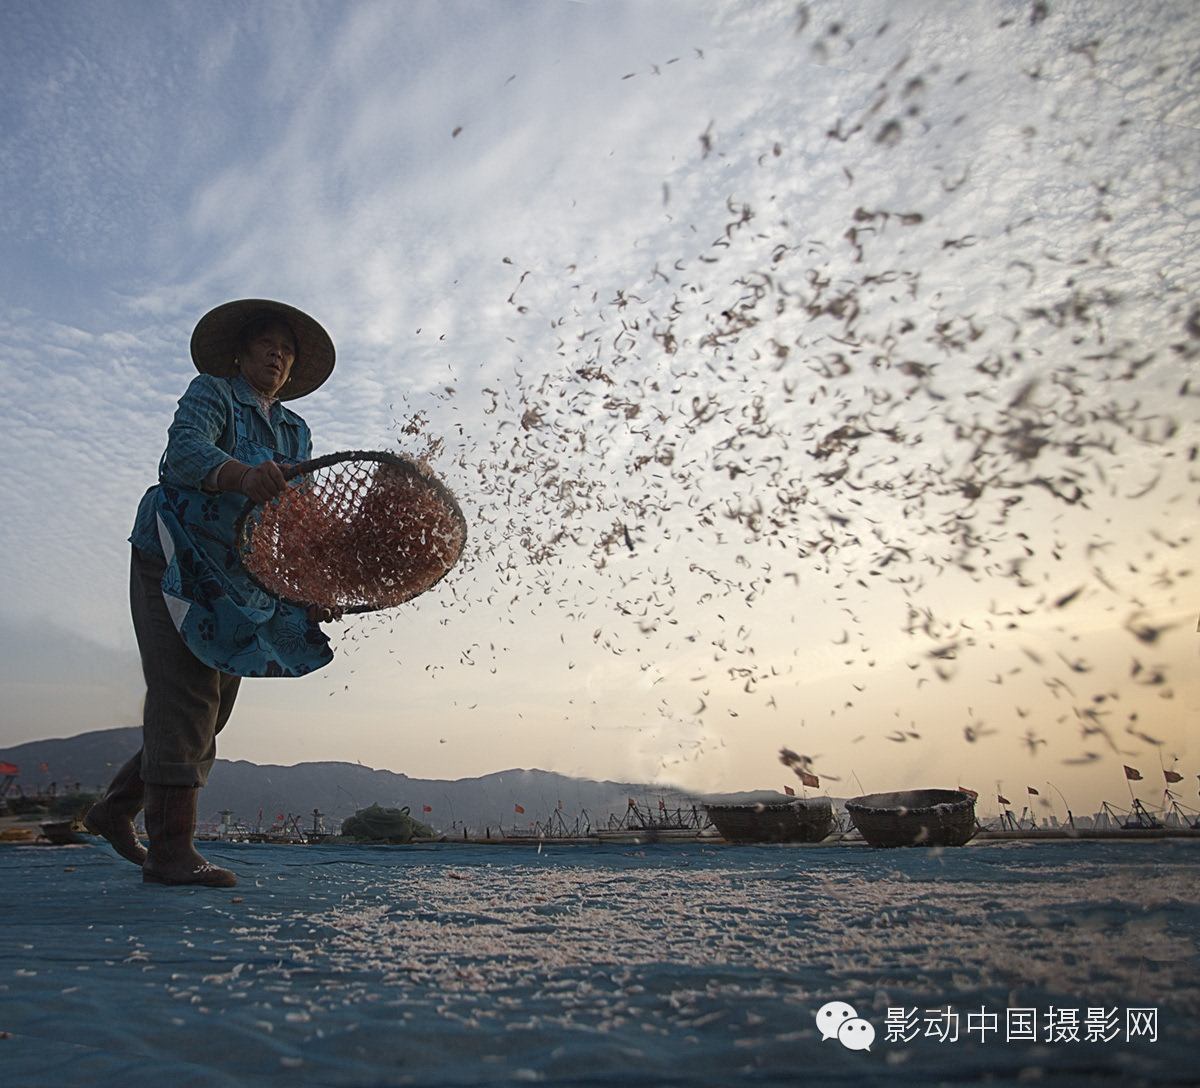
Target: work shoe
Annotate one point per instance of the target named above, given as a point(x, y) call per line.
point(171, 825)
point(112, 816)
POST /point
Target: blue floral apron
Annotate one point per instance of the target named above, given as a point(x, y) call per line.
point(225, 620)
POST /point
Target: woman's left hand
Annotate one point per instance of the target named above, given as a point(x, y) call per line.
point(317, 614)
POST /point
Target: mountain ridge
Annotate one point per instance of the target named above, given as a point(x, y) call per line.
point(261, 793)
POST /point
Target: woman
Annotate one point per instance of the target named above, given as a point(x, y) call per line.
point(201, 624)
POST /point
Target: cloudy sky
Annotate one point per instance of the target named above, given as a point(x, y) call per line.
point(810, 375)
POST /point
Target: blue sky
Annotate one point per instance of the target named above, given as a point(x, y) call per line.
point(870, 323)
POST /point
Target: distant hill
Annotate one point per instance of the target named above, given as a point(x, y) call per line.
point(89, 759)
point(338, 789)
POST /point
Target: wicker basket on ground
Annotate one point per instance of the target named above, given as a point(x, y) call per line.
point(787, 819)
point(915, 818)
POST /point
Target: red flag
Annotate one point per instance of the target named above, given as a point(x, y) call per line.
point(1172, 776)
point(560, 806)
point(1003, 800)
point(970, 793)
point(809, 779)
point(632, 802)
point(1033, 791)
point(789, 791)
point(426, 808)
point(1133, 775)
point(281, 815)
point(8, 768)
point(43, 767)
point(519, 809)
point(662, 804)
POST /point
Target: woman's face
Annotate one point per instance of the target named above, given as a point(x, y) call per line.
point(266, 360)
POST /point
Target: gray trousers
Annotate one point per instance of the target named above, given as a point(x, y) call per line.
point(187, 702)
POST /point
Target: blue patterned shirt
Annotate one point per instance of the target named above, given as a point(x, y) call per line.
point(203, 436)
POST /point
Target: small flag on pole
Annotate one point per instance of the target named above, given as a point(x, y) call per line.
point(789, 791)
point(970, 793)
point(8, 768)
point(810, 780)
point(426, 808)
point(1002, 799)
point(1033, 791)
point(519, 809)
point(1133, 774)
point(1172, 776)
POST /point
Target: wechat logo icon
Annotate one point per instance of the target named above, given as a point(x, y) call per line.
point(838, 1020)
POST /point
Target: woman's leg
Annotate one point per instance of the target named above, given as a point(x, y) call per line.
point(187, 704)
point(171, 826)
point(112, 816)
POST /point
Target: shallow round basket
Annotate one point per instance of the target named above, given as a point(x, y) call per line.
point(797, 820)
point(914, 818)
point(354, 531)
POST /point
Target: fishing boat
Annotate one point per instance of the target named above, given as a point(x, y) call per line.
point(641, 825)
point(770, 817)
point(64, 832)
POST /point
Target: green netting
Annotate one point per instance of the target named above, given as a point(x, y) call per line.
point(379, 824)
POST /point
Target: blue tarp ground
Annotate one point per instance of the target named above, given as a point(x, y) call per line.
point(604, 965)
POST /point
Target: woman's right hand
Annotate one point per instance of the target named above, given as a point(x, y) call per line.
point(258, 482)
point(263, 482)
